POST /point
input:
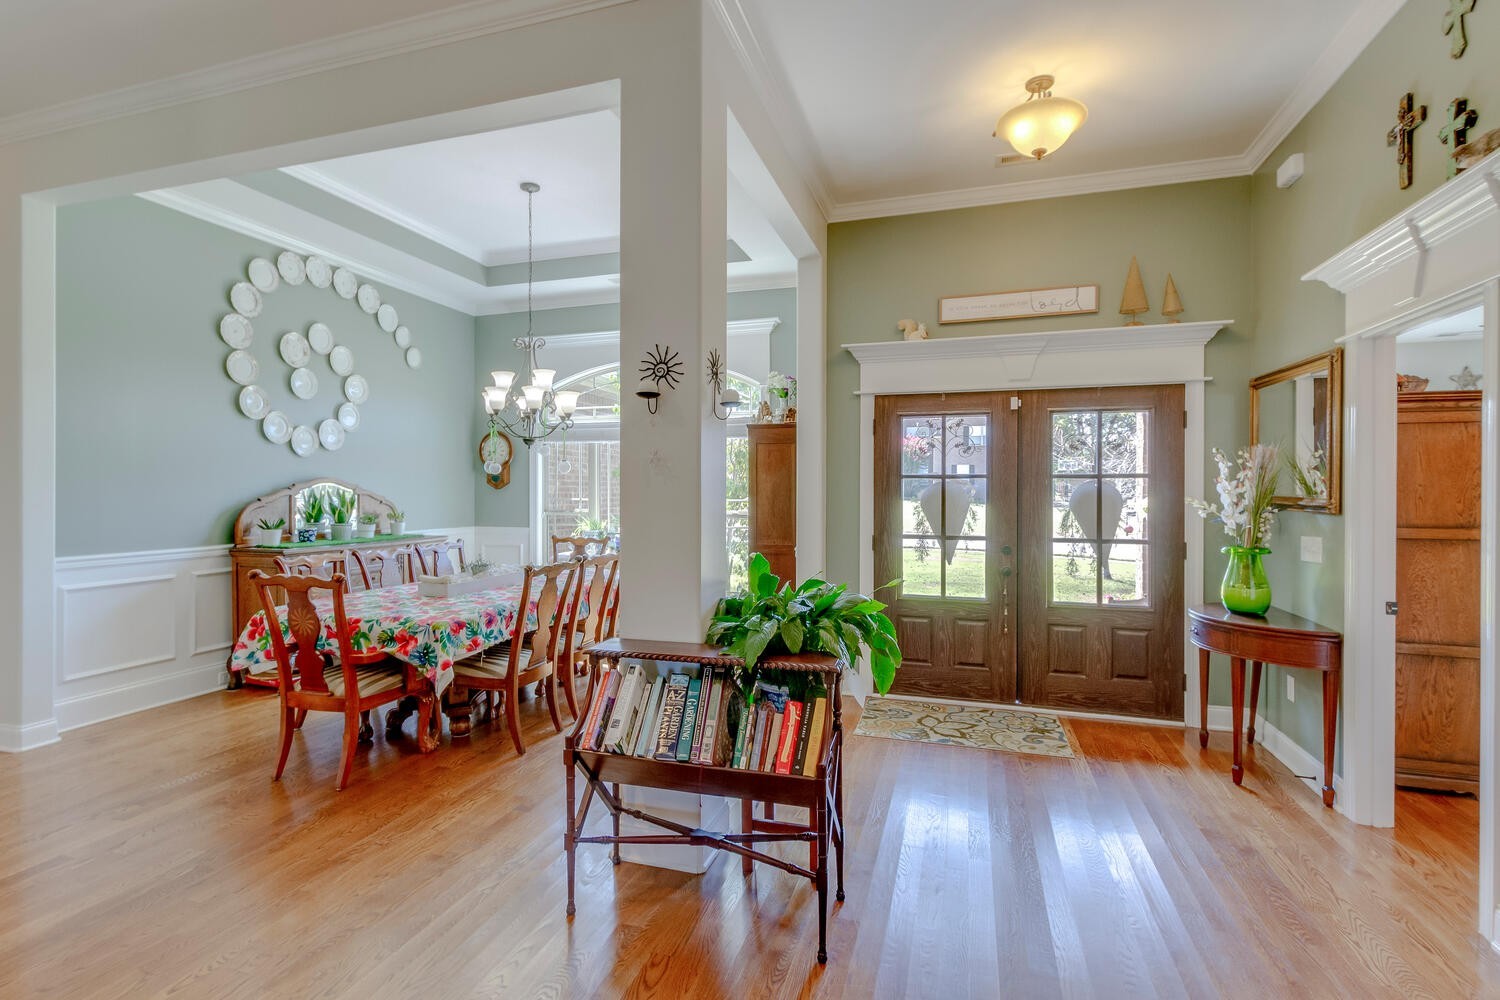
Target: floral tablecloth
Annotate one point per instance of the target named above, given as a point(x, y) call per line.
point(428, 632)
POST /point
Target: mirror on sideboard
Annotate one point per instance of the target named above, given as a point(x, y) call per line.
point(1299, 409)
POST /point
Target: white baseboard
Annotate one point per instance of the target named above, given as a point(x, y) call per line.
point(139, 695)
point(1281, 746)
point(15, 739)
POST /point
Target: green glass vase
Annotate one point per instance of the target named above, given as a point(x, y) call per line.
point(1245, 589)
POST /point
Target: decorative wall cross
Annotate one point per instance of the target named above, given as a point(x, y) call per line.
point(1455, 131)
point(1453, 25)
point(1407, 120)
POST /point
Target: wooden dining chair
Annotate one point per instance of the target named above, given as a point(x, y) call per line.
point(580, 546)
point(588, 616)
point(387, 567)
point(523, 660)
point(354, 686)
point(612, 608)
point(432, 557)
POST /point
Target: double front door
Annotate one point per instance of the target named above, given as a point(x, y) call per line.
point(1038, 538)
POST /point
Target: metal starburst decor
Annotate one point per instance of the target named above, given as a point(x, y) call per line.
point(663, 366)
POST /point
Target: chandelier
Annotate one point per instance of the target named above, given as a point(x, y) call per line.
point(1040, 124)
point(535, 410)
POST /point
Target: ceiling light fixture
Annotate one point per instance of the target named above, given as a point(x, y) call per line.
point(1042, 123)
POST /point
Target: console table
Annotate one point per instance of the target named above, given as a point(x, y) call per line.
point(822, 794)
point(1279, 638)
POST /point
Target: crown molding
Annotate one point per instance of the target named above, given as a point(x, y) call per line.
point(1053, 341)
point(471, 20)
point(599, 338)
point(761, 282)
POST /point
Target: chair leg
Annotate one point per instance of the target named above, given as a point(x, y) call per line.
point(346, 760)
point(552, 704)
point(288, 730)
point(301, 718)
point(566, 678)
point(513, 716)
point(366, 729)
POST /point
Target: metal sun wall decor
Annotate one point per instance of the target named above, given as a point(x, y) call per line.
point(297, 349)
point(721, 398)
point(663, 368)
point(1408, 117)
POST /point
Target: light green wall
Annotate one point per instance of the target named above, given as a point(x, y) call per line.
point(152, 451)
point(780, 302)
point(1349, 188)
point(882, 270)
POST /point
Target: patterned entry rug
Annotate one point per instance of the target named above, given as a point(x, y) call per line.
point(981, 726)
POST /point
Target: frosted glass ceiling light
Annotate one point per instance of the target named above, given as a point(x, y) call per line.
point(1042, 123)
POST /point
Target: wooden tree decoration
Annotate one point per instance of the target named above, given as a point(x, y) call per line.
point(1171, 302)
point(1408, 118)
point(1453, 25)
point(1133, 302)
point(1455, 131)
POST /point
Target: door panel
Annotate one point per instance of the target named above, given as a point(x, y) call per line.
point(1100, 578)
point(944, 530)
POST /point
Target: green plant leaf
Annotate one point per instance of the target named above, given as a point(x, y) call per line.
point(791, 634)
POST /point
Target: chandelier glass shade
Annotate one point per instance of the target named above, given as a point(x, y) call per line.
point(1042, 123)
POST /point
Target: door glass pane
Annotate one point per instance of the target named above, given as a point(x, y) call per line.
point(1075, 441)
point(965, 572)
point(965, 500)
point(1075, 573)
point(1123, 441)
point(966, 445)
point(1130, 494)
point(921, 445)
point(1075, 507)
point(921, 568)
point(1125, 582)
point(919, 496)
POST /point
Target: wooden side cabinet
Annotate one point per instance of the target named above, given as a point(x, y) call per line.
point(773, 496)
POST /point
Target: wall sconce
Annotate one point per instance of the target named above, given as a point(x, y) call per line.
point(728, 399)
point(661, 367)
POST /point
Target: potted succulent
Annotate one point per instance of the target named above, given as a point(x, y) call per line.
point(366, 526)
point(314, 514)
point(341, 509)
point(269, 532)
point(398, 521)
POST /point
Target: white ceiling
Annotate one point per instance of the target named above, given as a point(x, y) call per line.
point(1466, 325)
point(901, 97)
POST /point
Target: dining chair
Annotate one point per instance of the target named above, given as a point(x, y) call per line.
point(449, 550)
point(612, 608)
point(523, 660)
point(580, 546)
point(354, 686)
point(388, 567)
point(588, 616)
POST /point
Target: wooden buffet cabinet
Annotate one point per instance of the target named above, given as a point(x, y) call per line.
point(773, 496)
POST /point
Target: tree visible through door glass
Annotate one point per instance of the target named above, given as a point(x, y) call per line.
point(944, 495)
point(1099, 500)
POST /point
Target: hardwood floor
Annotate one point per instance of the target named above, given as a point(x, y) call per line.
point(153, 856)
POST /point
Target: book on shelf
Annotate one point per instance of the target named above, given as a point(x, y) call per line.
point(742, 732)
point(596, 706)
point(624, 709)
point(726, 715)
point(673, 702)
point(700, 723)
point(689, 719)
point(773, 738)
point(817, 716)
point(645, 729)
point(786, 749)
point(804, 723)
point(611, 693)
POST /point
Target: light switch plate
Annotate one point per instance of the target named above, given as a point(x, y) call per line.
point(1291, 688)
point(1312, 548)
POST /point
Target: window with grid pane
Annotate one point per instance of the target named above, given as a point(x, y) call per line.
point(1099, 502)
point(944, 496)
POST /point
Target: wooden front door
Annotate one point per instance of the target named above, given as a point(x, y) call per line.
point(945, 526)
point(1101, 546)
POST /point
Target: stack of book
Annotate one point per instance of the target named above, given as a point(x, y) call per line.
point(702, 716)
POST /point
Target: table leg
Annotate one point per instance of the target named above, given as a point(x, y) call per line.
point(427, 740)
point(1331, 688)
point(397, 716)
point(1254, 699)
point(1237, 696)
point(747, 824)
point(820, 850)
point(459, 707)
point(614, 849)
point(1203, 655)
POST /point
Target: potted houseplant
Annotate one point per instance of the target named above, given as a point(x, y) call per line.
point(341, 509)
point(366, 526)
point(398, 521)
point(269, 532)
point(815, 617)
point(781, 390)
point(314, 512)
point(1246, 488)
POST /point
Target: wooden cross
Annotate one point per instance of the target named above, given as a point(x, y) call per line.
point(1453, 24)
point(1455, 132)
point(1399, 136)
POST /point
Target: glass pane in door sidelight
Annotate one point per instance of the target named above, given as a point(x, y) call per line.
point(1075, 573)
point(966, 440)
point(1122, 435)
point(921, 567)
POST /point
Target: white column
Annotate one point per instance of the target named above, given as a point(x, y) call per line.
point(812, 419)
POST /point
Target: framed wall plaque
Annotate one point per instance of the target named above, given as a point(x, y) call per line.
point(1063, 300)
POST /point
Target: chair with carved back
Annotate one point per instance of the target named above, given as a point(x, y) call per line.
point(387, 567)
point(523, 659)
point(590, 610)
point(611, 608)
point(580, 546)
point(354, 686)
point(432, 557)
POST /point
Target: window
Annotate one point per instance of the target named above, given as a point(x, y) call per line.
point(944, 493)
point(1100, 489)
point(580, 488)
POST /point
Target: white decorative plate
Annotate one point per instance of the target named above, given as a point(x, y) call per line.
point(245, 299)
point(320, 338)
point(356, 389)
point(319, 272)
point(386, 317)
point(276, 427)
point(341, 360)
point(304, 441)
point(242, 367)
point(403, 337)
point(291, 267)
point(236, 331)
point(295, 349)
point(369, 298)
point(304, 383)
point(252, 402)
point(349, 416)
point(263, 275)
point(345, 283)
point(331, 435)
point(413, 358)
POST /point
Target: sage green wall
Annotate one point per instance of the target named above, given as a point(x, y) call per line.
point(1348, 189)
point(882, 270)
point(152, 450)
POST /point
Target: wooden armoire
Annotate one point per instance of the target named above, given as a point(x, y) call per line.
point(773, 496)
point(1437, 590)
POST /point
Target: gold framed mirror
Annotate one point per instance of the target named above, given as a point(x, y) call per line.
point(1299, 408)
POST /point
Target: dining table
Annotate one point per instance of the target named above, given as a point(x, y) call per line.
point(430, 634)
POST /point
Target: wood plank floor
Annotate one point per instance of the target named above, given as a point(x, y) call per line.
point(152, 856)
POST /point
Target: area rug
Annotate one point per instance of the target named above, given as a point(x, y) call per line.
point(980, 726)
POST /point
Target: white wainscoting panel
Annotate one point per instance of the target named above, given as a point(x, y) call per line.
point(503, 545)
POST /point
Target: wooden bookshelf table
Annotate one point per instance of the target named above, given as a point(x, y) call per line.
point(822, 793)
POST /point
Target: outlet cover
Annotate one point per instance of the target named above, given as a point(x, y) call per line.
point(1312, 548)
point(1291, 688)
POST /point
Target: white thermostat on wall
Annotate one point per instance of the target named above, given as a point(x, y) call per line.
point(1290, 171)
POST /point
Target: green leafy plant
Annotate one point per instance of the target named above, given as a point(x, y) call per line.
point(815, 617)
point(265, 525)
point(341, 505)
point(398, 515)
point(587, 524)
point(314, 507)
point(369, 519)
